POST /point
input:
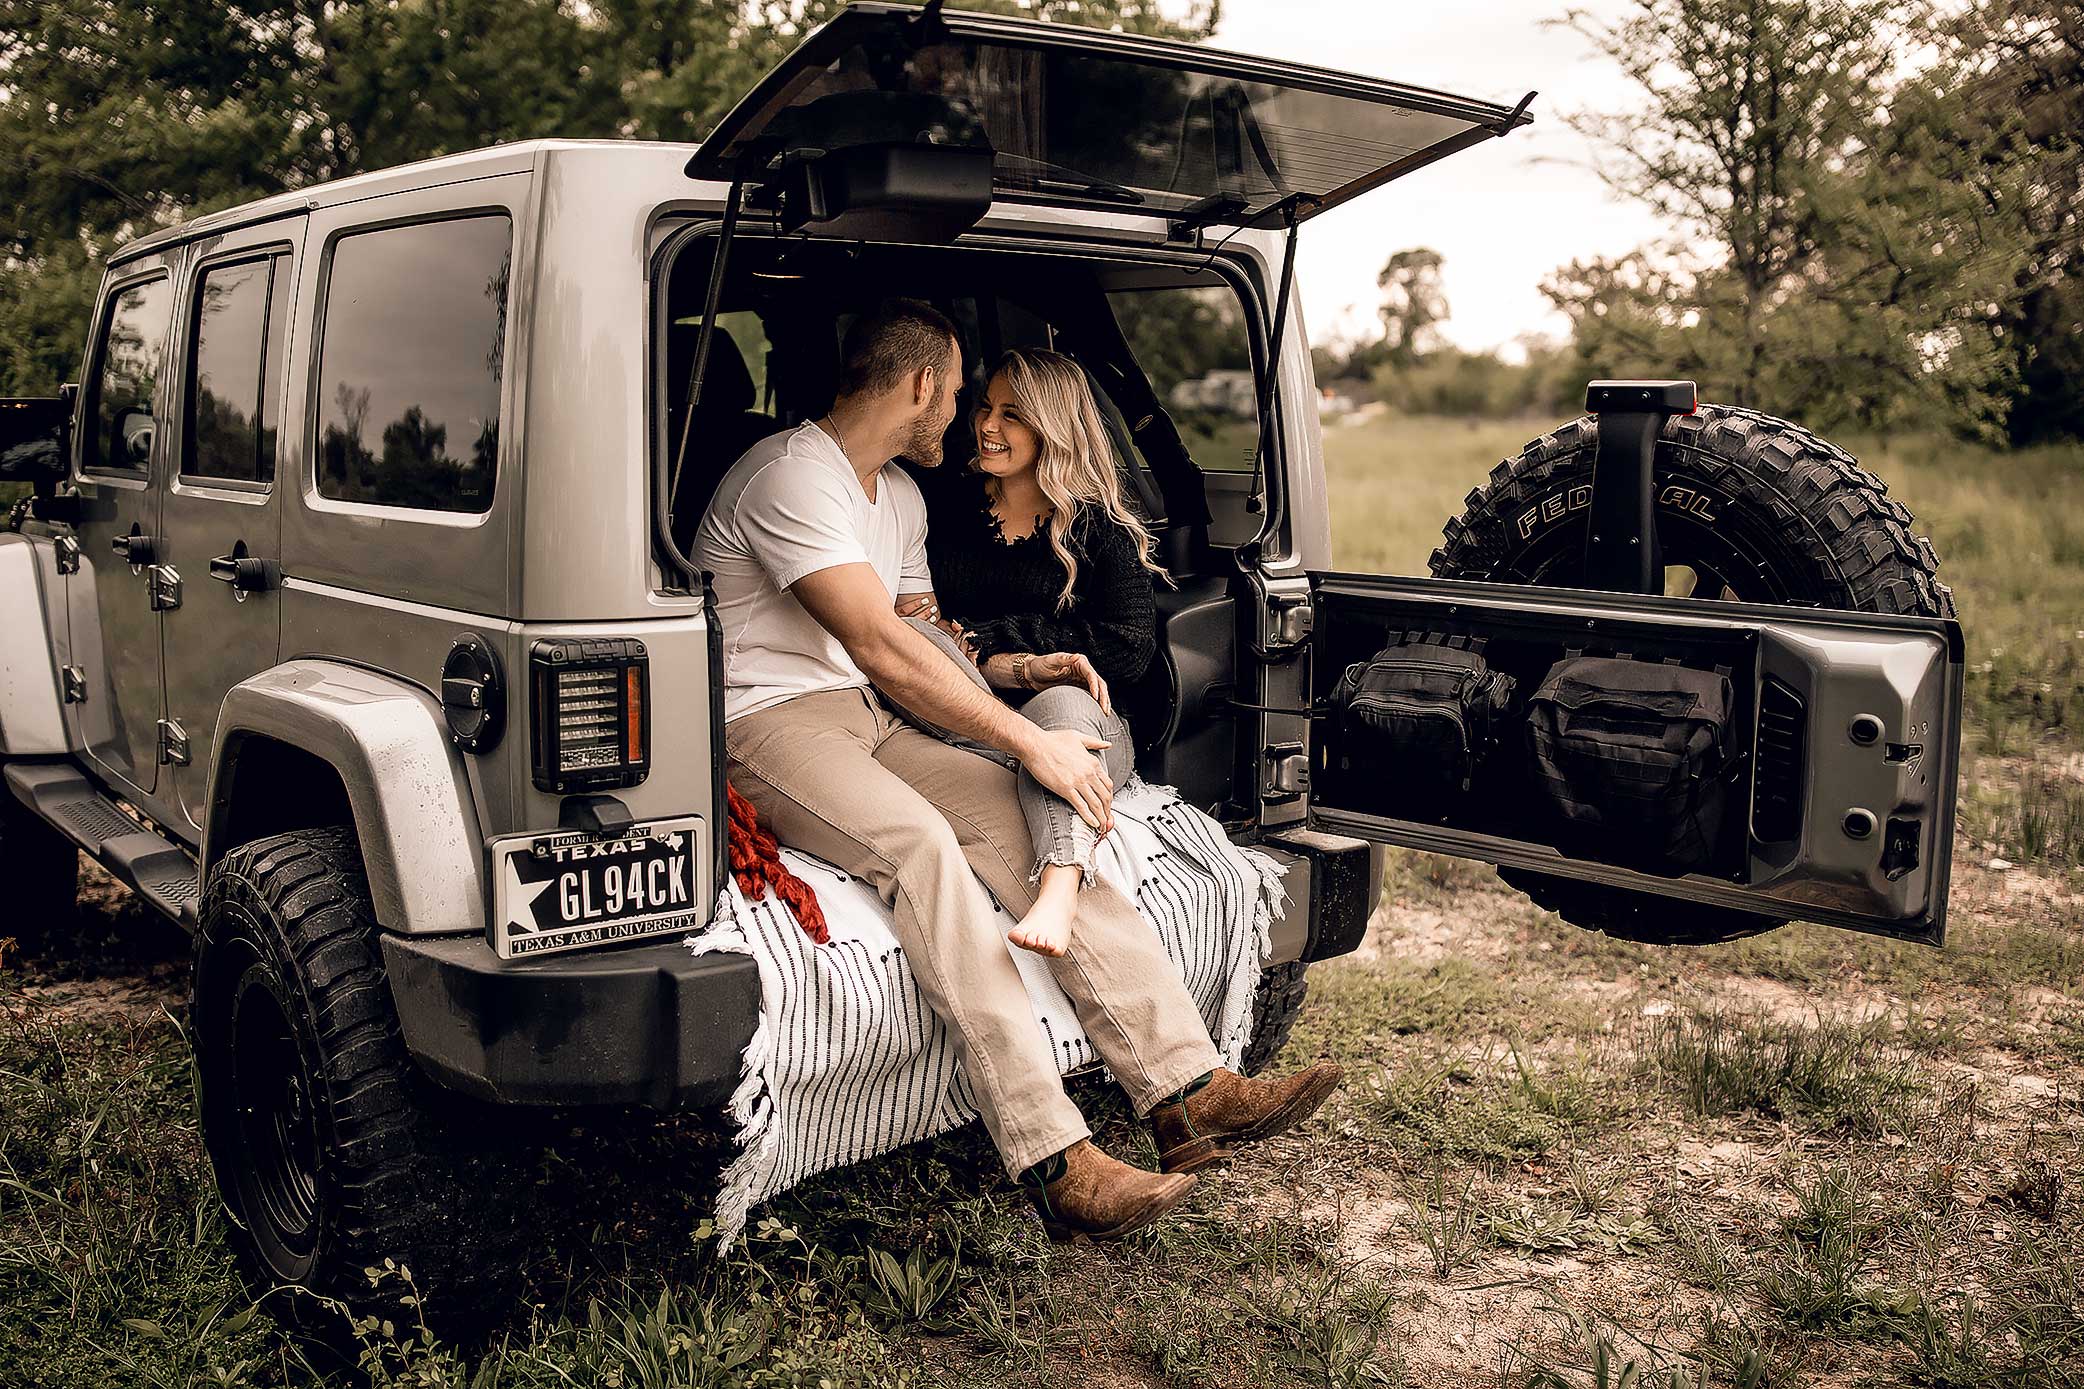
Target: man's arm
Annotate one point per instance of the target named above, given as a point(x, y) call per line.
point(850, 602)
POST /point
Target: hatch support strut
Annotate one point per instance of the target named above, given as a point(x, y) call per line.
point(665, 483)
point(1289, 209)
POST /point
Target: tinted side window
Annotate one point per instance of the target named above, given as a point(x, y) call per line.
point(1191, 342)
point(233, 412)
point(409, 364)
point(126, 384)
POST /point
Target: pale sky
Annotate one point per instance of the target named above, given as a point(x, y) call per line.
point(1502, 214)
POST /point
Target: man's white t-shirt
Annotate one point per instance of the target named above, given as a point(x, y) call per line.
point(790, 507)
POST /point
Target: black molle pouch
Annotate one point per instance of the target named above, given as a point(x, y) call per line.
point(1632, 757)
point(1418, 717)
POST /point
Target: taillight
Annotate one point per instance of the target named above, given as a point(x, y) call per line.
point(588, 724)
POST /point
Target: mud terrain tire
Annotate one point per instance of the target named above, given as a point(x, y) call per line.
point(323, 1134)
point(1760, 511)
point(1277, 1001)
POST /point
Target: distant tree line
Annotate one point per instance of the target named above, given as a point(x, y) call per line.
point(1866, 238)
point(121, 116)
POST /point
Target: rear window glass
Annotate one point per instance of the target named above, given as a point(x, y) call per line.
point(409, 366)
point(1191, 342)
point(1159, 127)
point(126, 384)
point(239, 329)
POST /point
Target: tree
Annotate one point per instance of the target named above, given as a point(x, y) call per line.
point(1414, 304)
point(118, 117)
point(1881, 196)
point(1746, 107)
point(1629, 317)
point(2012, 111)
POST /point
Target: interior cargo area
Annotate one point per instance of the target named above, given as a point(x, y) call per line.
point(1167, 346)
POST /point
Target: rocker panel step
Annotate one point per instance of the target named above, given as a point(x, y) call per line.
point(154, 867)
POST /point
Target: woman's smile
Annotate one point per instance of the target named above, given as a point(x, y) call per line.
point(1006, 444)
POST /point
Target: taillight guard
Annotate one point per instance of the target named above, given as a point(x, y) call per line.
point(588, 718)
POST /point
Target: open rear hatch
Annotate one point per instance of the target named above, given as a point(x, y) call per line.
point(1079, 117)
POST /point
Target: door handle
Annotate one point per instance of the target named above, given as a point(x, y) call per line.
point(245, 573)
point(136, 549)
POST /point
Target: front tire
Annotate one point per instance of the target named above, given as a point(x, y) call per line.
point(1749, 508)
point(325, 1146)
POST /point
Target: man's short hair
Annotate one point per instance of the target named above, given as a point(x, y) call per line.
point(888, 344)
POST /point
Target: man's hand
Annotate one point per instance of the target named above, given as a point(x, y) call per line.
point(1070, 668)
point(850, 602)
point(1062, 760)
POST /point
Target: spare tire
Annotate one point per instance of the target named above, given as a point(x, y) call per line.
point(1750, 509)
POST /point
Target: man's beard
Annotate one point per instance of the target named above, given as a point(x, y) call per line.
point(926, 447)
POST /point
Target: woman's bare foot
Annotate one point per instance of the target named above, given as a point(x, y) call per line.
point(1046, 929)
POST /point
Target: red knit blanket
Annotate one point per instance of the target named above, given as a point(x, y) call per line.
point(755, 857)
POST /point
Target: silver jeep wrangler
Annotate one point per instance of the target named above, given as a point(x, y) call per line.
point(351, 623)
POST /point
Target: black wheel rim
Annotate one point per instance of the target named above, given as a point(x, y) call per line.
point(1699, 562)
point(270, 1095)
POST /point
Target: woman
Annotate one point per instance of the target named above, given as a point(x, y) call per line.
point(1042, 574)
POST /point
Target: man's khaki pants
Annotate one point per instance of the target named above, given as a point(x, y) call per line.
point(838, 775)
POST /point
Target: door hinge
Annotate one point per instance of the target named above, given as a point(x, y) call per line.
point(73, 682)
point(67, 550)
point(1287, 772)
point(1289, 621)
point(163, 583)
point(173, 744)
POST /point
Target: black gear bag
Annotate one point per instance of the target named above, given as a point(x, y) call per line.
point(1418, 717)
point(1632, 756)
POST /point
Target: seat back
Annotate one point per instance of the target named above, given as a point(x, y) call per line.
point(724, 426)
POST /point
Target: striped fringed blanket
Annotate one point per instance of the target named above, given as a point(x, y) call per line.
point(848, 1061)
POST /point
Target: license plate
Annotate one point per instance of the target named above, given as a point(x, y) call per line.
point(561, 890)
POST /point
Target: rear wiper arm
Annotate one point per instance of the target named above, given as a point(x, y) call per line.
point(1057, 178)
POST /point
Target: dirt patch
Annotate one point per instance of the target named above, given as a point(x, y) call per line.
point(97, 1001)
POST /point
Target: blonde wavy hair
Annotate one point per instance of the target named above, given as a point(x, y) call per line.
point(1077, 467)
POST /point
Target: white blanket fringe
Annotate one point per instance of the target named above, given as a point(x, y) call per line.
point(848, 1061)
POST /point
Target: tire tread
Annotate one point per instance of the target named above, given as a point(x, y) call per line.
point(402, 1191)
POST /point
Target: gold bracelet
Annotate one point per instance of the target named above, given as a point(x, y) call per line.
point(1020, 668)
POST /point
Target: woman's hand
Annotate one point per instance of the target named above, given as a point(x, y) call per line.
point(928, 608)
point(1070, 668)
point(924, 605)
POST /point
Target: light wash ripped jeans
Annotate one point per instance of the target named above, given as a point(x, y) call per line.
point(1061, 835)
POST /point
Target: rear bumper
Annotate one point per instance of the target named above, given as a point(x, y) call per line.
point(1333, 882)
point(647, 1025)
point(653, 1025)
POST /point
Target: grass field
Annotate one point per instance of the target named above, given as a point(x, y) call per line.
point(1804, 1159)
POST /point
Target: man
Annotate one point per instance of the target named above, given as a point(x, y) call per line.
point(811, 539)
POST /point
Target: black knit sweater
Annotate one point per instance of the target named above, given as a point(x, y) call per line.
point(1005, 593)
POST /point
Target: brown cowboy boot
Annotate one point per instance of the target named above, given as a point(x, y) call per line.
point(1229, 1110)
point(1096, 1197)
